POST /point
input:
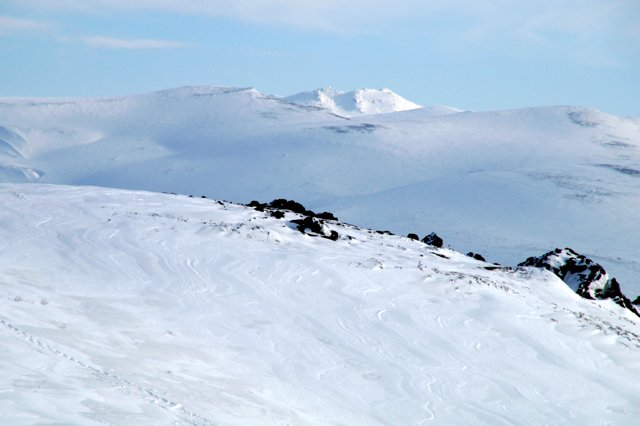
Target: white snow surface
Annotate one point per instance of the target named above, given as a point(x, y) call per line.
point(129, 307)
point(360, 102)
point(505, 184)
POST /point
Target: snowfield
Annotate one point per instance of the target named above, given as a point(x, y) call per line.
point(130, 307)
point(506, 184)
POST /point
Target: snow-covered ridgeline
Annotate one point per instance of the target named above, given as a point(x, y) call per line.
point(132, 307)
point(507, 184)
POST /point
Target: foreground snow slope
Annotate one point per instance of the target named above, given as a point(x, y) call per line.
point(507, 184)
point(139, 308)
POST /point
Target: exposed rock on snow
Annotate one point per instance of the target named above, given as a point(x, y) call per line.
point(135, 308)
point(433, 239)
point(291, 205)
point(583, 275)
point(502, 183)
point(476, 256)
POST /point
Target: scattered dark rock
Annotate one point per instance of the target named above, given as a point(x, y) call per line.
point(361, 128)
point(413, 237)
point(637, 301)
point(622, 169)
point(258, 206)
point(476, 256)
point(309, 223)
point(326, 216)
point(291, 205)
point(294, 206)
point(441, 255)
point(314, 227)
point(583, 275)
point(433, 240)
point(384, 232)
point(278, 214)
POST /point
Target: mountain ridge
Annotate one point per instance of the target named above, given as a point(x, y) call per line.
point(503, 183)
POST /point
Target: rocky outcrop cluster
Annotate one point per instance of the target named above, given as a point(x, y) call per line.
point(583, 275)
point(476, 256)
point(311, 224)
point(433, 240)
point(293, 206)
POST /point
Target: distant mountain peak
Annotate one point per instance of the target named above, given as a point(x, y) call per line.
point(355, 102)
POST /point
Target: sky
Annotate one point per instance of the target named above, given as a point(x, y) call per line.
point(471, 54)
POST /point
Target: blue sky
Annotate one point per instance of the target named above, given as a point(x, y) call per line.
point(479, 55)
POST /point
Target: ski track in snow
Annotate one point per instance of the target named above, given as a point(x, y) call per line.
point(259, 324)
point(114, 379)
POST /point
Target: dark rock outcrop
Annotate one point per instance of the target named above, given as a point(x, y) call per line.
point(311, 223)
point(413, 237)
point(278, 214)
point(476, 256)
point(257, 205)
point(325, 216)
point(291, 205)
point(583, 275)
point(433, 240)
point(313, 226)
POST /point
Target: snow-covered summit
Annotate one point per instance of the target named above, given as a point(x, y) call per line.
point(355, 102)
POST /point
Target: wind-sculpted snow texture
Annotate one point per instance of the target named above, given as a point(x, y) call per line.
point(506, 184)
point(583, 275)
point(131, 308)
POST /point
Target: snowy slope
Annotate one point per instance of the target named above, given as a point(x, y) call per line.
point(506, 184)
point(358, 102)
point(135, 308)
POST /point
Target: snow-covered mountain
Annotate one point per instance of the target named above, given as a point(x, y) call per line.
point(128, 308)
point(505, 184)
point(358, 102)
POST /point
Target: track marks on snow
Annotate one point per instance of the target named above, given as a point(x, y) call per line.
point(123, 384)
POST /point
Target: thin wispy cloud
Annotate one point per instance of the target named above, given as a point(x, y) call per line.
point(130, 44)
point(9, 24)
point(486, 16)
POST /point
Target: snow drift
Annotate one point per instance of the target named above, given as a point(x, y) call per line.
point(129, 307)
